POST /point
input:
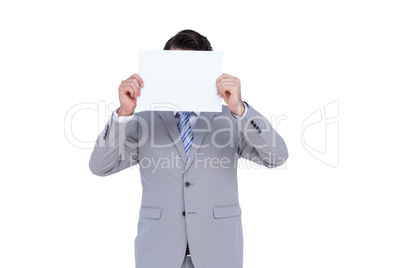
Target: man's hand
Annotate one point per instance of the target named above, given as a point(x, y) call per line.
point(228, 87)
point(129, 90)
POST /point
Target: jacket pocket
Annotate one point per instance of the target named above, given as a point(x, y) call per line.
point(227, 211)
point(150, 212)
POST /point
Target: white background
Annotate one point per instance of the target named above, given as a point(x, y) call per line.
point(293, 57)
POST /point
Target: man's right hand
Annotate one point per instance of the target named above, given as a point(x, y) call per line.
point(129, 90)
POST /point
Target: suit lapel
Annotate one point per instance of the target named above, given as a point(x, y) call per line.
point(201, 128)
point(171, 125)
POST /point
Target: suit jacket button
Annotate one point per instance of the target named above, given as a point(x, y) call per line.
point(184, 213)
point(259, 131)
point(254, 125)
point(252, 122)
point(187, 184)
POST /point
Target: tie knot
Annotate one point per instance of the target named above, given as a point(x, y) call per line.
point(184, 113)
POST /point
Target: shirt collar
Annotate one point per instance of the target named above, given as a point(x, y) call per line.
point(197, 113)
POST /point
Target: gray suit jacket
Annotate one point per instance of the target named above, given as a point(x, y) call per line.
point(194, 200)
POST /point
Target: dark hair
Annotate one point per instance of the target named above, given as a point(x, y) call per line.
point(188, 40)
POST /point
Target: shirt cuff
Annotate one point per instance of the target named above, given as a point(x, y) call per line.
point(245, 111)
point(121, 119)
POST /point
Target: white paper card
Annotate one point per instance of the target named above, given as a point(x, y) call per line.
point(179, 80)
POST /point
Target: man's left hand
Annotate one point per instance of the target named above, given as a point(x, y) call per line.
point(228, 88)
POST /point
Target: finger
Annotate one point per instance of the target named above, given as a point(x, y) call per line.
point(231, 80)
point(218, 91)
point(226, 87)
point(221, 90)
point(219, 82)
point(136, 76)
point(131, 77)
point(222, 76)
point(128, 87)
point(219, 78)
point(228, 83)
point(137, 88)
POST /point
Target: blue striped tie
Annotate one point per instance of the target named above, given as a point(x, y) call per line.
point(185, 131)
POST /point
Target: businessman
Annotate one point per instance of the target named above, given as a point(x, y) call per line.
point(190, 214)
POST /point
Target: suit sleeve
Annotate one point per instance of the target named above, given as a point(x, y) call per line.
point(116, 148)
point(259, 142)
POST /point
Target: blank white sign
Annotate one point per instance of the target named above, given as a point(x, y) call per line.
point(179, 80)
